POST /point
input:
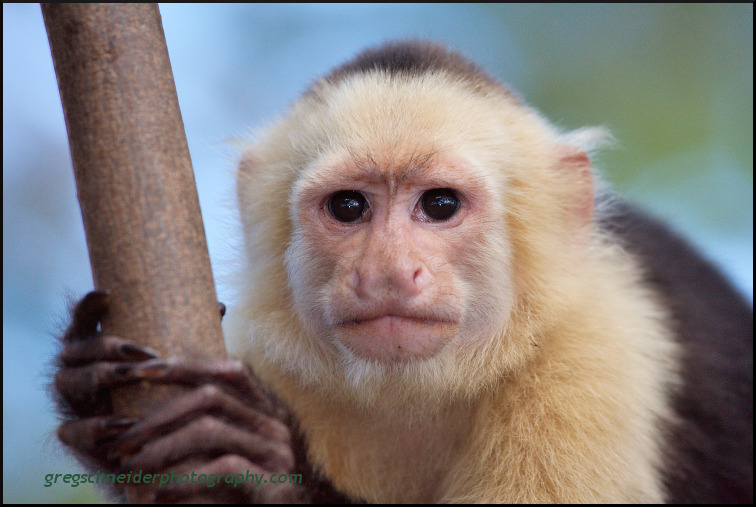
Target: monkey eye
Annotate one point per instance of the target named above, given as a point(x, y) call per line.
point(347, 205)
point(440, 203)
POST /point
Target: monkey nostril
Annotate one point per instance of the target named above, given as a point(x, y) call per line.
point(420, 280)
point(359, 285)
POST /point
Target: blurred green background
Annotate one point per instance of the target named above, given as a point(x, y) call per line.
point(674, 83)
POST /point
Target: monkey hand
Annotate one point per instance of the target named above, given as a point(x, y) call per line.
point(224, 426)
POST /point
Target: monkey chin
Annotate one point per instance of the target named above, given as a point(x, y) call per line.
point(394, 338)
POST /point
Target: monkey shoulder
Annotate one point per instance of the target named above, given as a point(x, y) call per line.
point(710, 450)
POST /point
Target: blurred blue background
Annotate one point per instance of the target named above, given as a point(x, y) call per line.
point(674, 83)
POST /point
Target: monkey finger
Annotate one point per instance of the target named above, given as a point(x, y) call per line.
point(87, 388)
point(88, 435)
point(107, 348)
point(206, 400)
point(231, 375)
point(87, 315)
point(210, 436)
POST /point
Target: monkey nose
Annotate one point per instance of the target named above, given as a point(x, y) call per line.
point(403, 281)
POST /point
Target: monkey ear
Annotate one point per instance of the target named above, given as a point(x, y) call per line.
point(248, 182)
point(576, 165)
point(248, 172)
point(248, 164)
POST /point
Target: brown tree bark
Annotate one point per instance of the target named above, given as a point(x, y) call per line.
point(134, 181)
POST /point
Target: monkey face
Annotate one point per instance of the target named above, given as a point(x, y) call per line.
point(383, 214)
point(392, 237)
point(375, 250)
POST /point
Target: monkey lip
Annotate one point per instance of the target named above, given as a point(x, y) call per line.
point(395, 319)
point(395, 337)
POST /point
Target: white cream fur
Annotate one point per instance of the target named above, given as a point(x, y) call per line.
point(557, 390)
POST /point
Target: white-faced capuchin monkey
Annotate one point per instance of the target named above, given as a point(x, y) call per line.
point(440, 304)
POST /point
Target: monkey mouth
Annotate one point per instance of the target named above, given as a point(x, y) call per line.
point(396, 318)
point(395, 337)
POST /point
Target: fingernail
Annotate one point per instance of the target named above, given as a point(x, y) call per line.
point(120, 424)
point(132, 351)
point(149, 368)
point(141, 370)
